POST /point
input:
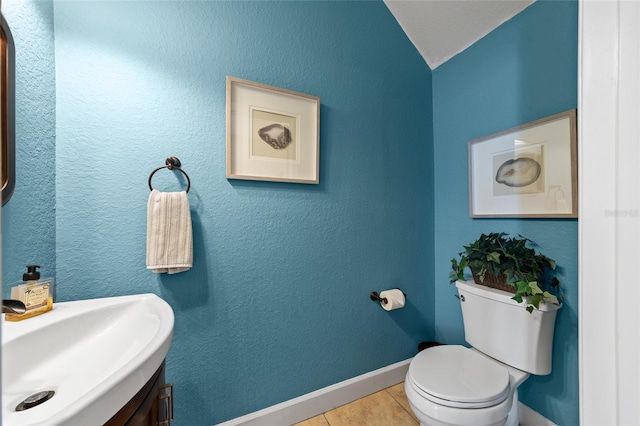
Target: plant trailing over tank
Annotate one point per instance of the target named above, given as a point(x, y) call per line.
point(506, 263)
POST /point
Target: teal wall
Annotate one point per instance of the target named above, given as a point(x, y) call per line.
point(277, 303)
point(523, 71)
point(28, 220)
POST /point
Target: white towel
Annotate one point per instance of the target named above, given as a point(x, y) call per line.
point(169, 234)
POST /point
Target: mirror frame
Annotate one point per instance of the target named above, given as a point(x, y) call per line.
point(7, 110)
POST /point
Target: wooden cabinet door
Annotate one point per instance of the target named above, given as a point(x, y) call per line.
point(144, 408)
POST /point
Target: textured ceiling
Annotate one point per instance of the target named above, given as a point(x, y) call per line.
point(440, 29)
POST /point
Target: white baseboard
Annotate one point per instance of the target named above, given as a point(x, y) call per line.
point(325, 399)
point(528, 417)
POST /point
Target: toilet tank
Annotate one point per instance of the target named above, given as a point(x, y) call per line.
point(502, 328)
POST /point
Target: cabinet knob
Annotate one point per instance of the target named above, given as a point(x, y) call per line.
point(165, 399)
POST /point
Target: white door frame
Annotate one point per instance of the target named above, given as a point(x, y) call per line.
point(609, 224)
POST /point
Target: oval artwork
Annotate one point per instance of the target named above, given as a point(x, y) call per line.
point(276, 135)
point(519, 172)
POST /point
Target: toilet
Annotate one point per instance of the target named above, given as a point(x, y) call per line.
point(452, 385)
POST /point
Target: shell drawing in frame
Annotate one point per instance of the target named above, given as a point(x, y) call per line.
point(276, 135)
point(518, 172)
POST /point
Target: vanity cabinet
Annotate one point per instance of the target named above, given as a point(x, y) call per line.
point(151, 406)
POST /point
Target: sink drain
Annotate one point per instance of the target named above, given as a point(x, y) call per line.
point(34, 400)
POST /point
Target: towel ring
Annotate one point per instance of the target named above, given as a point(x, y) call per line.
point(172, 163)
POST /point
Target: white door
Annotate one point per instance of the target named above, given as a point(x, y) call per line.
point(609, 164)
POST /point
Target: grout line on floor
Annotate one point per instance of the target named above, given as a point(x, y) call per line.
point(399, 403)
point(388, 393)
point(408, 410)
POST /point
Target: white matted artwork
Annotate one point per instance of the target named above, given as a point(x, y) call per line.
point(527, 171)
point(272, 133)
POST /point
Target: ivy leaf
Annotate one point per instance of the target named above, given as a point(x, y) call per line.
point(523, 287)
point(482, 273)
point(464, 263)
point(534, 300)
point(550, 298)
point(493, 257)
point(534, 288)
point(512, 276)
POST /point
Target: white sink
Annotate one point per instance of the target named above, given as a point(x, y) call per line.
point(94, 354)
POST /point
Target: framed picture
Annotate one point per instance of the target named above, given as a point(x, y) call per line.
point(272, 134)
point(528, 171)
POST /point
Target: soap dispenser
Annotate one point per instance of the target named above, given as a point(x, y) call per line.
point(34, 292)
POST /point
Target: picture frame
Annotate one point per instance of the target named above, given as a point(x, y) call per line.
point(529, 171)
point(272, 133)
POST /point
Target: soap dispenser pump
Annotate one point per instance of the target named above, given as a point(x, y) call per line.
point(32, 273)
point(34, 292)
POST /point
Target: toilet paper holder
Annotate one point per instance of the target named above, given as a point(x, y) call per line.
point(376, 297)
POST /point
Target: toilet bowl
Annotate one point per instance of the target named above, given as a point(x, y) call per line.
point(453, 385)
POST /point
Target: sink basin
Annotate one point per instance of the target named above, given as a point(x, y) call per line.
point(94, 354)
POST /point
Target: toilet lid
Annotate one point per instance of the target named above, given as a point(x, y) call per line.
point(458, 374)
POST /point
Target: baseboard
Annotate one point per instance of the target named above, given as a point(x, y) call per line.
point(528, 417)
point(325, 399)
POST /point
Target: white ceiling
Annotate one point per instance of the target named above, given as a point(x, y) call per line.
point(440, 29)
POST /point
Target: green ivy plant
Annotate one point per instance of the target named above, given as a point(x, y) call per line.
point(528, 272)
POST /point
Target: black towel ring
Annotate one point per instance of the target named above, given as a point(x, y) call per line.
point(172, 163)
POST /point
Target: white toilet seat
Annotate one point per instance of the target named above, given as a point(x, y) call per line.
point(433, 414)
point(455, 376)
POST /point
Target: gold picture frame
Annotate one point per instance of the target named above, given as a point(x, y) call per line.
point(529, 171)
point(272, 133)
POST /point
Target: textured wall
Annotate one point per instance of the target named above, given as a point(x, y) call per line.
point(277, 302)
point(143, 80)
point(524, 70)
point(28, 220)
